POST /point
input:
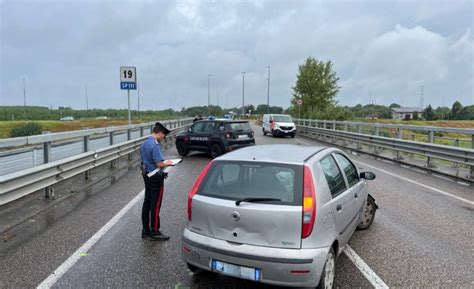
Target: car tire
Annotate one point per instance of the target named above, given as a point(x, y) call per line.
point(292, 135)
point(216, 150)
point(274, 133)
point(329, 271)
point(182, 148)
point(264, 132)
point(368, 214)
point(192, 268)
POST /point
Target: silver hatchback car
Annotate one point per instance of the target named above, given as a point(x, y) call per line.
point(277, 214)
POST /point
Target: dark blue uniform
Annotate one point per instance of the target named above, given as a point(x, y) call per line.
point(151, 154)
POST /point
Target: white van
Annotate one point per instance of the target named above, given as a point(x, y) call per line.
point(278, 124)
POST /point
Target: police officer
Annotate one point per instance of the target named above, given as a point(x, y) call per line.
point(152, 158)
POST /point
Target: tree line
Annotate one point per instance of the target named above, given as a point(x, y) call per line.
point(317, 87)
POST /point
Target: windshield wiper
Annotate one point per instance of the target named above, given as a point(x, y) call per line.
point(256, 200)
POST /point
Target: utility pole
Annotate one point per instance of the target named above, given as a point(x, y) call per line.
point(24, 97)
point(87, 99)
point(243, 93)
point(24, 93)
point(226, 101)
point(268, 90)
point(138, 97)
point(422, 97)
point(209, 94)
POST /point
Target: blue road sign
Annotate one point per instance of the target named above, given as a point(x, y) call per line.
point(128, 85)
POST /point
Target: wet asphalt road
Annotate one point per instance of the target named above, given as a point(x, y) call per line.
point(419, 237)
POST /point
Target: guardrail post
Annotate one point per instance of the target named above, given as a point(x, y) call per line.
point(359, 130)
point(398, 155)
point(376, 133)
point(129, 137)
point(471, 170)
point(48, 191)
point(111, 142)
point(141, 131)
point(429, 160)
point(346, 127)
point(87, 174)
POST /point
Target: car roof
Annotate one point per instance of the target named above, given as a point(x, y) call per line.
point(276, 153)
point(222, 120)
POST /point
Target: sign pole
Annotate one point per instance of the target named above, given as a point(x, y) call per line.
point(299, 112)
point(129, 115)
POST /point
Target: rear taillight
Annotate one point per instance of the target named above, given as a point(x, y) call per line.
point(309, 203)
point(195, 188)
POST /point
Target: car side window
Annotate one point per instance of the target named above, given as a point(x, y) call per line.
point(333, 176)
point(197, 127)
point(209, 126)
point(349, 169)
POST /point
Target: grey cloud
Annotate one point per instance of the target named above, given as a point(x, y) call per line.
point(60, 46)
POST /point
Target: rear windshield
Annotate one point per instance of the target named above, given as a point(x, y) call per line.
point(282, 118)
point(238, 180)
point(238, 126)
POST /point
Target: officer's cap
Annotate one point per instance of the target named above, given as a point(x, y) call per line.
point(162, 128)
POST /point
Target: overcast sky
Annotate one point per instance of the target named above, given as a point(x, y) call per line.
point(389, 49)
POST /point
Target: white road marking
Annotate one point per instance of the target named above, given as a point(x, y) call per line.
point(412, 181)
point(368, 273)
point(419, 184)
point(64, 267)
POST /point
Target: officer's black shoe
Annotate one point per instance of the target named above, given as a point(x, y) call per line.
point(146, 234)
point(158, 236)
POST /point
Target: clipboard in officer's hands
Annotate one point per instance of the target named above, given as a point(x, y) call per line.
point(166, 169)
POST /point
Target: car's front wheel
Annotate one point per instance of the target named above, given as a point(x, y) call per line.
point(329, 271)
point(264, 132)
point(368, 214)
point(216, 150)
point(292, 135)
point(182, 149)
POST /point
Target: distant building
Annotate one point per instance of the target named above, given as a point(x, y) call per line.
point(406, 112)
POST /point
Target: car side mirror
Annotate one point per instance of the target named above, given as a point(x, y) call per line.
point(367, 175)
point(190, 130)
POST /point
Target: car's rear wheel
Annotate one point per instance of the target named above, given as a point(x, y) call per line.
point(368, 214)
point(216, 150)
point(182, 149)
point(274, 133)
point(329, 271)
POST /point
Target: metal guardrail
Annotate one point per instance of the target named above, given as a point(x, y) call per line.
point(432, 151)
point(25, 152)
point(431, 133)
point(18, 184)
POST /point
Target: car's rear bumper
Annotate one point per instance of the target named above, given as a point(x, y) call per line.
point(275, 264)
point(234, 146)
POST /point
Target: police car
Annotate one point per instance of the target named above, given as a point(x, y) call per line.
point(215, 137)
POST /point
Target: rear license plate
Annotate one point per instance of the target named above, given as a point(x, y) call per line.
point(243, 136)
point(236, 270)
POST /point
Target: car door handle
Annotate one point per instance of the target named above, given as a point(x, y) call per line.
point(356, 195)
point(338, 208)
